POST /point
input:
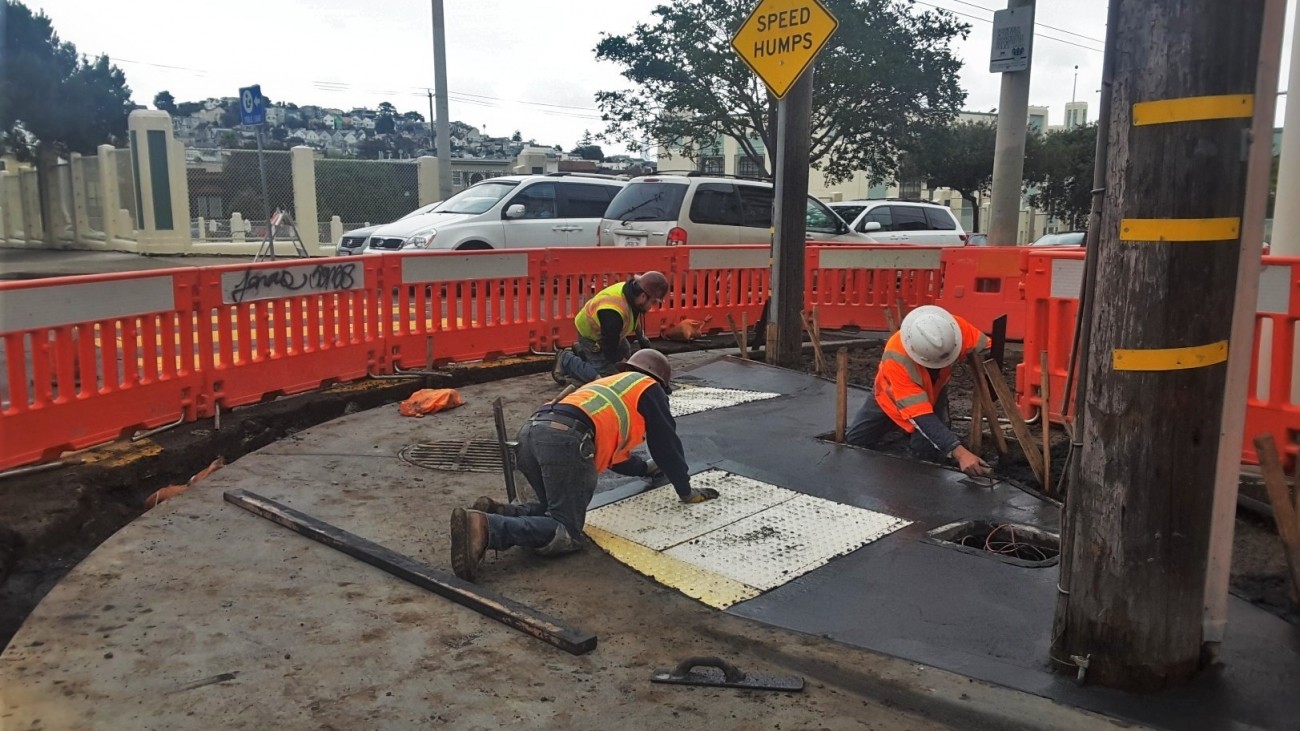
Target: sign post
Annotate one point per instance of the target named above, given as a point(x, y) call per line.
point(780, 40)
point(252, 113)
point(1013, 45)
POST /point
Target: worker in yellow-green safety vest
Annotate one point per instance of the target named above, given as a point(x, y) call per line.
point(604, 325)
point(562, 449)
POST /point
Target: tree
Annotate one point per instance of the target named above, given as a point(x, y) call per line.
point(186, 109)
point(886, 69)
point(386, 123)
point(957, 156)
point(53, 99)
point(164, 101)
point(588, 152)
point(1059, 165)
point(412, 117)
point(516, 137)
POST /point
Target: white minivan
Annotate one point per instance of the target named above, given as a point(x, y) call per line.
point(512, 211)
point(693, 210)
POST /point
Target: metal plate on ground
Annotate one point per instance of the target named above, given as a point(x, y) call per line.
point(658, 519)
point(753, 538)
point(475, 455)
point(773, 546)
point(707, 398)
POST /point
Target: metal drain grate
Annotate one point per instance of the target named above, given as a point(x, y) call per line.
point(476, 455)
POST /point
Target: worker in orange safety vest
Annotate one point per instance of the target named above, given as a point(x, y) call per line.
point(563, 447)
point(910, 391)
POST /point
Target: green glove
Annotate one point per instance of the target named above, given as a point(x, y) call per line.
point(699, 495)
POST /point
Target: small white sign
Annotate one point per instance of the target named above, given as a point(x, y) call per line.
point(1013, 39)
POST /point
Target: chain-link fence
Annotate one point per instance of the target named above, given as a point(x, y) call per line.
point(92, 196)
point(362, 192)
point(126, 191)
point(225, 182)
point(29, 192)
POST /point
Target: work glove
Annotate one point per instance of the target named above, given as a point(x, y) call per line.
point(699, 495)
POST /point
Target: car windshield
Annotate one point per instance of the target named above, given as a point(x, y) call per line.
point(476, 199)
point(647, 202)
point(848, 213)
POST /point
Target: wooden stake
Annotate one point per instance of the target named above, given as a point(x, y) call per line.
point(740, 340)
point(818, 359)
point(1045, 414)
point(489, 604)
point(976, 413)
point(841, 393)
point(986, 406)
point(1286, 511)
point(890, 321)
point(744, 335)
point(1018, 425)
point(817, 339)
point(901, 311)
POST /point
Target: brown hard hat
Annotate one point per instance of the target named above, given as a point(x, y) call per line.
point(652, 363)
point(654, 284)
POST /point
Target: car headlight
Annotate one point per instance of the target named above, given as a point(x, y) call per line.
point(421, 241)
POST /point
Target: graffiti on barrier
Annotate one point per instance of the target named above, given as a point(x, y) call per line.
point(260, 284)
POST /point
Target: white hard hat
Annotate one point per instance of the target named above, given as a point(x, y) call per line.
point(931, 336)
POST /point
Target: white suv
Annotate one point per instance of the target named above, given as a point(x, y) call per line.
point(512, 211)
point(681, 210)
point(892, 221)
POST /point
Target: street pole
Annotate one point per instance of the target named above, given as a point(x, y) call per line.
point(440, 81)
point(1009, 151)
point(794, 128)
point(1232, 431)
point(1286, 206)
point(266, 199)
point(1138, 520)
point(433, 146)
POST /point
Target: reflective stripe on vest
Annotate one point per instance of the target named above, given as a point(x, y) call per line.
point(609, 298)
point(611, 404)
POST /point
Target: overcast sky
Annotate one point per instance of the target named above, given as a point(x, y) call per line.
point(512, 64)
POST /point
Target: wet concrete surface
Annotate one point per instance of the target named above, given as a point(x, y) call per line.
point(199, 615)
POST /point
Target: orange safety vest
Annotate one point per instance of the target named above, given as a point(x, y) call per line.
point(904, 389)
point(609, 298)
point(610, 403)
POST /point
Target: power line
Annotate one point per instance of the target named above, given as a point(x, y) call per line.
point(989, 21)
point(1044, 25)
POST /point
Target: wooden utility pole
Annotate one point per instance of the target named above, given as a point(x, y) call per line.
point(1137, 523)
point(794, 125)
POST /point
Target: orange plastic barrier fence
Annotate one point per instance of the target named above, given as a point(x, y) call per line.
point(1052, 286)
point(86, 360)
point(985, 282)
point(90, 359)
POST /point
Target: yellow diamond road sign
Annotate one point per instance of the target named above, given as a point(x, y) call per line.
point(780, 38)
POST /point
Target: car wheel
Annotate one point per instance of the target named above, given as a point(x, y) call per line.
point(474, 246)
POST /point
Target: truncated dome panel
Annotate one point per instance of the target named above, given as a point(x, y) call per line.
point(752, 539)
point(692, 400)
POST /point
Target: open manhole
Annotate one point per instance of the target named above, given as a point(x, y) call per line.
point(1012, 543)
point(475, 455)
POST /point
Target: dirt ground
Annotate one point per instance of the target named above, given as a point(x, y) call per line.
point(1259, 570)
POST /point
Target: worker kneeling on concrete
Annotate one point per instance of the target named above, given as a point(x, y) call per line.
point(911, 388)
point(604, 325)
point(563, 447)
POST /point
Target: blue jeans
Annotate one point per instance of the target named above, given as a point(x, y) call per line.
point(872, 427)
point(559, 462)
point(585, 363)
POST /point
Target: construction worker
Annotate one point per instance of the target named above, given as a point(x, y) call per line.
point(563, 447)
point(910, 392)
point(604, 324)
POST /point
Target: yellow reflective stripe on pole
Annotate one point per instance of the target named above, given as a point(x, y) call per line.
point(1194, 109)
point(1170, 359)
point(1179, 229)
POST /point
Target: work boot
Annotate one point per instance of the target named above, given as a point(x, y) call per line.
point(557, 370)
point(486, 504)
point(469, 539)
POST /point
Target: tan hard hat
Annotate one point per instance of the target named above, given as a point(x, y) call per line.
point(654, 284)
point(652, 363)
